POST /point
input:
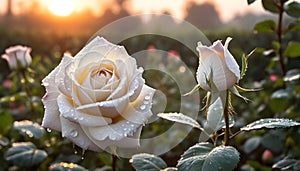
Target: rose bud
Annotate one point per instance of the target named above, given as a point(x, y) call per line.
point(18, 57)
point(217, 66)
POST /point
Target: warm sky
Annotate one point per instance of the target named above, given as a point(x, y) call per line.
point(226, 8)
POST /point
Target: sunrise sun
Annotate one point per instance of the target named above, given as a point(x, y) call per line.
point(61, 7)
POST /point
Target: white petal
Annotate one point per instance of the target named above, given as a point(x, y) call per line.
point(70, 113)
point(74, 133)
point(51, 116)
point(62, 78)
point(109, 108)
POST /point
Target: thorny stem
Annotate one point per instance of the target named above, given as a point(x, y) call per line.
point(279, 37)
point(226, 118)
point(24, 81)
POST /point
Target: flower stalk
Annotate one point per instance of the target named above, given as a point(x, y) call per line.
point(25, 81)
point(226, 119)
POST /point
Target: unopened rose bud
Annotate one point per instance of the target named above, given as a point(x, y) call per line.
point(267, 157)
point(217, 66)
point(18, 57)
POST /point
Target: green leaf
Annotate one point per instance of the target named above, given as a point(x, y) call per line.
point(180, 118)
point(280, 100)
point(214, 115)
point(293, 9)
point(285, 164)
point(147, 162)
point(245, 63)
point(270, 5)
point(193, 90)
point(6, 121)
point(270, 123)
point(251, 144)
point(265, 26)
point(274, 140)
point(250, 1)
point(170, 169)
point(292, 75)
point(25, 154)
point(66, 167)
point(29, 128)
point(292, 50)
point(234, 91)
point(204, 157)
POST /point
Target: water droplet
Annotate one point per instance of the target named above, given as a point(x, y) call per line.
point(74, 133)
point(82, 154)
point(146, 102)
point(125, 129)
point(132, 125)
point(80, 118)
point(143, 107)
point(147, 97)
point(48, 130)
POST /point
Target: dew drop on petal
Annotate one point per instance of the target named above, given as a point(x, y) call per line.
point(48, 130)
point(147, 97)
point(74, 133)
point(143, 107)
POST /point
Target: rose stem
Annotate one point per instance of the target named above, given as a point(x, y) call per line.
point(114, 162)
point(226, 118)
point(28, 93)
point(279, 36)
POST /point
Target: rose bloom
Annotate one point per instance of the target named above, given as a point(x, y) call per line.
point(217, 67)
point(98, 98)
point(18, 57)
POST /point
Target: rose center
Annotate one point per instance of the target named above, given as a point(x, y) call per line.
point(101, 76)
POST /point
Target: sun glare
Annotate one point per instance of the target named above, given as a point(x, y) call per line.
point(61, 7)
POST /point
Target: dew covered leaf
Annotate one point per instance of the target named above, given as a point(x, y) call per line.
point(25, 154)
point(180, 118)
point(285, 164)
point(66, 167)
point(204, 157)
point(270, 123)
point(293, 9)
point(147, 162)
point(29, 128)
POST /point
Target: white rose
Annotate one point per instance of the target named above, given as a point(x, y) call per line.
point(217, 66)
point(98, 98)
point(18, 57)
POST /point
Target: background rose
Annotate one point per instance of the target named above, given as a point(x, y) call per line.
point(98, 98)
point(216, 64)
point(18, 57)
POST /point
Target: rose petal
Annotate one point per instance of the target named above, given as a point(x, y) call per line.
point(127, 142)
point(139, 111)
point(68, 112)
point(62, 79)
point(231, 62)
point(133, 117)
point(74, 133)
point(51, 116)
point(109, 108)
